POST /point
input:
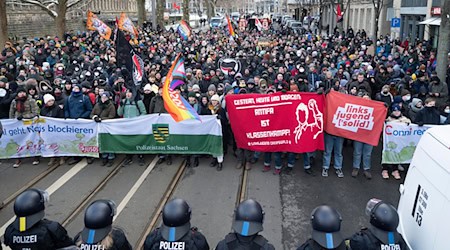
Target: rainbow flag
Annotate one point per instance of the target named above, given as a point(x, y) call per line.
point(184, 30)
point(174, 103)
point(230, 28)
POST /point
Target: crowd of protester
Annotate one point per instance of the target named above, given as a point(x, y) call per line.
point(76, 77)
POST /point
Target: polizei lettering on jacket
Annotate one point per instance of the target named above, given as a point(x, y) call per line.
point(28, 239)
point(166, 245)
point(390, 247)
point(91, 247)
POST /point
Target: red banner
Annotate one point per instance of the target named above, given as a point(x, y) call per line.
point(354, 118)
point(280, 122)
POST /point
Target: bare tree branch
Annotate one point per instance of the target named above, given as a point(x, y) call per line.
point(51, 12)
point(73, 3)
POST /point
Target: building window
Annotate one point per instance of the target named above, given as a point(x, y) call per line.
point(414, 3)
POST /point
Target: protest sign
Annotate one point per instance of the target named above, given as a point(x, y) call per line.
point(354, 118)
point(280, 122)
point(48, 137)
point(400, 141)
point(160, 134)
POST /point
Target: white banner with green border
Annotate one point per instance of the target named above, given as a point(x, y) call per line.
point(160, 134)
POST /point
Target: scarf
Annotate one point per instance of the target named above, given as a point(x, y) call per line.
point(20, 104)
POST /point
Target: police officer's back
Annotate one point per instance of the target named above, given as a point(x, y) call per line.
point(176, 231)
point(98, 232)
point(30, 230)
point(382, 233)
point(326, 234)
point(247, 223)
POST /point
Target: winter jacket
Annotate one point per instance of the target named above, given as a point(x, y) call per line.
point(53, 111)
point(5, 104)
point(77, 106)
point(157, 105)
point(147, 100)
point(358, 85)
point(31, 109)
point(442, 89)
point(428, 115)
point(312, 79)
point(104, 111)
point(129, 108)
point(413, 110)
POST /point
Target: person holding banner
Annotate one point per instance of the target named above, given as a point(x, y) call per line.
point(429, 114)
point(130, 108)
point(104, 110)
point(77, 106)
point(23, 107)
point(336, 144)
point(50, 109)
point(396, 116)
point(362, 151)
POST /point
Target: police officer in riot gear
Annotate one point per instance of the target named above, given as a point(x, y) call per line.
point(98, 232)
point(326, 234)
point(30, 230)
point(176, 231)
point(382, 233)
point(247, 223)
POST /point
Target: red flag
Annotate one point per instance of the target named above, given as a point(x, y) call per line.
point(354, 118)
point(339, 16)
point(175, 6)
point(280, 122)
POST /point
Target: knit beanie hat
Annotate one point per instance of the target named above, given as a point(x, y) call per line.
point(48, 97)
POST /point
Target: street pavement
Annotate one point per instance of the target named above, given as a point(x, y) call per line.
point(137, 190)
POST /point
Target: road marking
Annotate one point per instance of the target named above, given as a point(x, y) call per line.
point(135, 187)
point(55, 186)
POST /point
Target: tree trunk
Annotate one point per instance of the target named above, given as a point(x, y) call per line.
point(141, 12)
point(444, 36)
point(160, 7)
point(186, 10)
point(60, 20)
point(3, 24)
point(209, 9)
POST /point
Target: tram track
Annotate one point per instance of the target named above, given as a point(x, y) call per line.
point(82, 205)
point(28, 185)
point(158, 212)
point(241, 195)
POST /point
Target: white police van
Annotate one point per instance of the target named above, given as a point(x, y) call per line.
point(424, 206)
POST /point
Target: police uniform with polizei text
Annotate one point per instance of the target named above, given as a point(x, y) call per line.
point(382, 233)
point(98, 232)
point(30, 230)
point(326, 230)
point(247, 223)
point(176, 232)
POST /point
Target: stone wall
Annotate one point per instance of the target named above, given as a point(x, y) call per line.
point(30, 21)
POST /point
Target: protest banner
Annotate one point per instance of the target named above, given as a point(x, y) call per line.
point(354, 118)
point(48, 137)
point(400, 141)
point(160, 134)
point(280, 122)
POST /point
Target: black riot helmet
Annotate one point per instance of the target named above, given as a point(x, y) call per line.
point(176, 219)
point(384, 221)
point(29, 208)
point(326, 224)
point(248, 218)
point(98, 220)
